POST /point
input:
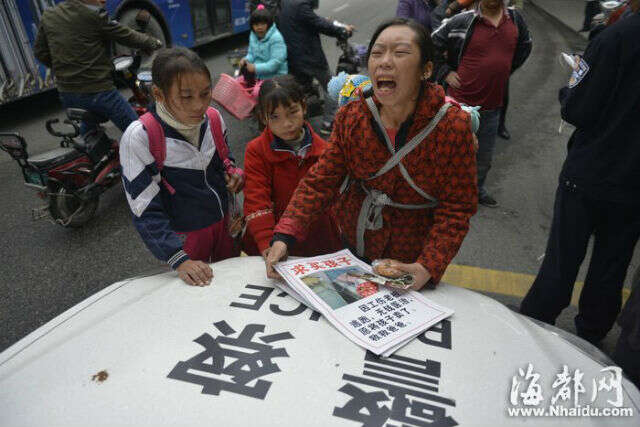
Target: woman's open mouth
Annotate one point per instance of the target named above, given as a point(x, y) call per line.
point(385, 85)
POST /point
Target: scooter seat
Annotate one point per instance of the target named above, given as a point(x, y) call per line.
point(79, 114)
point(50, 159)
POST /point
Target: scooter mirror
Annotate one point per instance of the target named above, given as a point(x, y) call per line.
point(611, 5)
point(122, 62)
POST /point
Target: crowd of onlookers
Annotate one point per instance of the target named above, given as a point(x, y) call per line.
point(404, 168)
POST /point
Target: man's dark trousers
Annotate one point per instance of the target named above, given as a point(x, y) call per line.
point(110, 104)
point(577, 216)
point(305, 79)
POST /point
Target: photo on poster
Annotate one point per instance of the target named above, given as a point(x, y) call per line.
point(341, 286)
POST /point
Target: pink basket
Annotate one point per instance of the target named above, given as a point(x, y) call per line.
point(234, 97)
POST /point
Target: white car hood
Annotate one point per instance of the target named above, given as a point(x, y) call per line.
point(138, 331)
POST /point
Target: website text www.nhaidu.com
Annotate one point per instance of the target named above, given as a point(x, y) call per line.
point(561, 411)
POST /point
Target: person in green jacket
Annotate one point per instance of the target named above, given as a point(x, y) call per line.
point(74, 41)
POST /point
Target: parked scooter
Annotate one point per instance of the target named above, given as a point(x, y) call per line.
point(353, 56)
point(71, 178)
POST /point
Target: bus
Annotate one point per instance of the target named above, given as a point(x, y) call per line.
point(185, 23)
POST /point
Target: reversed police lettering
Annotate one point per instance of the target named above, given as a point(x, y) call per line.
point(439, 335)
point(242, 360)
point(397, 388)
point(261, 298)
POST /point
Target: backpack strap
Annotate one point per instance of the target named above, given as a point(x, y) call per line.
point(397, 156)
point(215, 123)
point(157, 145)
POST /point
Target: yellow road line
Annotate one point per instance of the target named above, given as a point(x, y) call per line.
point(501, 282)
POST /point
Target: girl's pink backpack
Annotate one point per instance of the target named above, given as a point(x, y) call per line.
point(158, 145)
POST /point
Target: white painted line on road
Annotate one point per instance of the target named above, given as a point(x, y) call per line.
point(339, 8)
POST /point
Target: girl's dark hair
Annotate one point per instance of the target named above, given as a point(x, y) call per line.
point(423, 38)
point(261, 15)
point(280, 90)
point(170, 64)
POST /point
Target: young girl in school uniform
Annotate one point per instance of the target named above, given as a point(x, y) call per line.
point(176, 170)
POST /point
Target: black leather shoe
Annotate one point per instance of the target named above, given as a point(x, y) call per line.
point(488, 201)
point(504, 134)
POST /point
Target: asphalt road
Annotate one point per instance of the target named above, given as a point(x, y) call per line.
point(46, 269)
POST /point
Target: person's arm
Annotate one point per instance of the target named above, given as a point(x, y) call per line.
point(457, 198)
point(319, 188)
point(258, 203)
point(250, 56)
point(41, 47)
point(591, 84)
point(306, 14)
point(404, 9)
point(277, 56)
point(114, 31)
point(142, 188)
point(440, 39)
point(525, 43)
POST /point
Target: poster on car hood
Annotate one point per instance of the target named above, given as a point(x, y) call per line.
point(155, 352)
point(354, 300)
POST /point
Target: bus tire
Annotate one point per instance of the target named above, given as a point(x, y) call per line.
point(154, 29)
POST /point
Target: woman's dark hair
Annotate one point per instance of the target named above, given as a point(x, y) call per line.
point(280, 90)
point(170, 64)
point(423, 38)
point(261, 15)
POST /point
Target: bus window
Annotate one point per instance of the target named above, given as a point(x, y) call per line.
point(211, 19)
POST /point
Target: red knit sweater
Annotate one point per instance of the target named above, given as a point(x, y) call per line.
point(444, 165)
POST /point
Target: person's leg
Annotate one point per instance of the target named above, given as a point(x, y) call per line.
point(571, 228)
point(197, 244)
point(502, 129)
point(78, 100)
point(486, 142)
point(303, 79)
point(223, 246)
point(627, 352)
point(616, 235)
point(112, 105)
point(330, 105)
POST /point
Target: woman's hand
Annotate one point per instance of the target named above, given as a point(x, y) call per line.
point(234, 182)
point(251, 67)
point(453, 79)
point(265, 253)
point(420, 274)
point(275, 254)
point(242, 62)
point(195, 273)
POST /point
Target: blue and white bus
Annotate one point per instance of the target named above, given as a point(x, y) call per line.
point(177, 22)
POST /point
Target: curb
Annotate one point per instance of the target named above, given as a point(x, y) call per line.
point(544, 11)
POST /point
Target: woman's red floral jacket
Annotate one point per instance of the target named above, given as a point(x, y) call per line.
point(444, 165)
